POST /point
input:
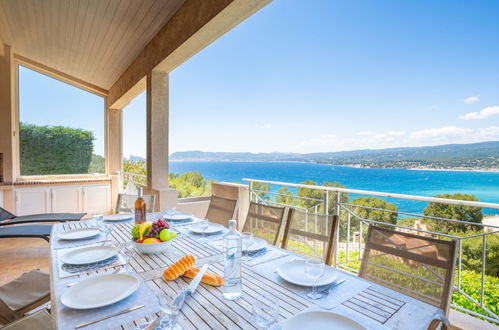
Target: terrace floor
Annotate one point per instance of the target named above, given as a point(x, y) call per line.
point(19, 255)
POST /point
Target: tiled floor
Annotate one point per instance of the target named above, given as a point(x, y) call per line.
point(20, 255)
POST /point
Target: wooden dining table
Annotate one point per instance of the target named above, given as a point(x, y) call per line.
point(371, 305)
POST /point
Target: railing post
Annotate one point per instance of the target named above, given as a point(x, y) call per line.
point(460, 263)
point(326, 203)
point(348, 237)
point(360, 237)
point(251, 191)
point(337, 212)
point(316, 207)
point(306, 219)
point(337, 203)
point(484, 254)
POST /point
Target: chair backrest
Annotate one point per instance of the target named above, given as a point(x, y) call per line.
point(418, 266)
point(126, 203)
point(264, 221)
point(311, 234)
point(221, 210)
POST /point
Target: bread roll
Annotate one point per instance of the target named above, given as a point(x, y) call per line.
point(208, 278)
point(179, 268)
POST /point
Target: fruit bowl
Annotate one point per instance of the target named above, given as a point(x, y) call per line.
point(152, 248)
point(152, 237)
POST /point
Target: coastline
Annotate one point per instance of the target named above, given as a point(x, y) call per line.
point(457, 169)
point(492, 170)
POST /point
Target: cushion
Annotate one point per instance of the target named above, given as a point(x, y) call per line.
point(25, 290)
point(50, 217)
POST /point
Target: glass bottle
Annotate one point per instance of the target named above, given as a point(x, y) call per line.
point(232, 287)
point(140, 208)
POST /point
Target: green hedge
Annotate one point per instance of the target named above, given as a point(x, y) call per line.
point(54, 150)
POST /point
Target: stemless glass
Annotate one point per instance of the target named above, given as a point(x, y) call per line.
point(314, 270)
point(170, 212)
point(204, 224)
point(169, 318)
point(97, 218)
point(247, 240)
point(127, 251)
point(106, 230)
point(265, 310)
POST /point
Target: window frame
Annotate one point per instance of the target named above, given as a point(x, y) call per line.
point(18, 62)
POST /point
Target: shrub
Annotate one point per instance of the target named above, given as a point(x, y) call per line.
point(472, 252)
point(455, 212)
point(54, 150)
point(471, 285)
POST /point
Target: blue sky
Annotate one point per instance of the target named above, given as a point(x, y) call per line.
point(307, 76)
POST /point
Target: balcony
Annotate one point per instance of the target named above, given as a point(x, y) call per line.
point(124, 56)
point(474, 291)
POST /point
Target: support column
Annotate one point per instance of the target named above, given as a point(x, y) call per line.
point(114, 150)
point(114, 129)
point(9, 134)
point(157, 140)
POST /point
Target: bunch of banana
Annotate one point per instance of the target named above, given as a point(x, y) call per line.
point(143, 227)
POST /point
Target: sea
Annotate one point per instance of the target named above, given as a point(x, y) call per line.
point(484, 185)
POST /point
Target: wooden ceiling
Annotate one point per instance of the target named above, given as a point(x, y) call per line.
point(92, 40)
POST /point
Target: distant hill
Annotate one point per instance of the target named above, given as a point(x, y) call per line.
point(133, 158)
point(484, 155)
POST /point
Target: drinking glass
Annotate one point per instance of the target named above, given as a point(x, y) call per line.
point(247, 240)
point(203, 224)
point(314, 270)
point(170, 212)
point(106, 230)
point(127, 252)
point(97, 218)
point(169, 318)
point(265, 310)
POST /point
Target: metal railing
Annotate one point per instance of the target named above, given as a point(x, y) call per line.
point(336, 201)
point(136, 179)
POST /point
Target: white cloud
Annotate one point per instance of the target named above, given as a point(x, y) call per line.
point(263, 126)
point(484, 113)
point(364, 133)
point(446, 131)
point(392, 139)
point(472, 99)
point(389, 135)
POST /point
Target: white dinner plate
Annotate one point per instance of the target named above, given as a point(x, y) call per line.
point(294, 272)
point(118, 217)
point(88, 255)
point(321, 321)
point(80, 233)
point(258, 244)
point(212, 228)
point(100, 291)
point(178, 217)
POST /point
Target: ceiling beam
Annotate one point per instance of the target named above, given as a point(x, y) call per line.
point(194, 26)
point(60, 75)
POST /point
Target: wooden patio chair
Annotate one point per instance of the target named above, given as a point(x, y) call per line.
point(311, 234)
point(265, 221)
point(30, 290)
point(126, 203)
point(40, 321)
point(221, 210)
point(418, 266)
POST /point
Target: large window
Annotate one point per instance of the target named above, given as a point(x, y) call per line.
point(61, 127)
